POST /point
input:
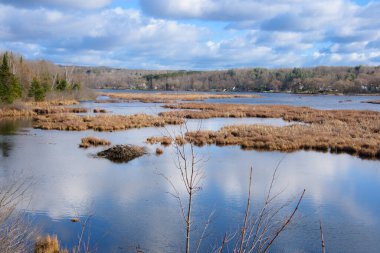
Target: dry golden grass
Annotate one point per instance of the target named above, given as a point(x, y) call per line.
point(13, 112)
point(30, 109)
point(337, 131)
point(58, 109)
point(164, 140)
point(172, 97)
point(159, 151)
point(52, 103)
point(48, 244)
point(72, 122)
point(93, 141)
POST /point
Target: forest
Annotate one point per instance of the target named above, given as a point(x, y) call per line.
point(37, 80)
point(348, 80)
point(40, 79)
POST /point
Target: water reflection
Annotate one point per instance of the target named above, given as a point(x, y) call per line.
point(5, 147)
point(131, 205)
point(12, 126)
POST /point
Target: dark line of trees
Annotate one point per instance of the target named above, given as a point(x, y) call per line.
point(359, 79)
point(38, 79)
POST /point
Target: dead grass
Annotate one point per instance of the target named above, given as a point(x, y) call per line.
point(53, 103)
point(72, 122)
point(57, 109)
point(122, 153)
point(163, 140)
point(93, 141)
point(336, 131)
point(172, 97)
point(30, 109)
point(14, 112)
point(159, 151)
point(97, 110)
point(48, 244)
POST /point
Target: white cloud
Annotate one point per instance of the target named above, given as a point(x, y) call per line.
point(259, 33)
point(93, 4)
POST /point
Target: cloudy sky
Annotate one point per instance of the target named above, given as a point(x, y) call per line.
point(193, 34)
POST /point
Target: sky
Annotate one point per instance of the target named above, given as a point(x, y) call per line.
point(193, 34)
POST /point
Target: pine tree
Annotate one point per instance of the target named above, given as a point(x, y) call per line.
point(37, 90)
point(10, 88)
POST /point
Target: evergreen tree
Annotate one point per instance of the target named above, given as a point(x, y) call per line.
point(10, 88)
point(61, 84)
point(37, 90)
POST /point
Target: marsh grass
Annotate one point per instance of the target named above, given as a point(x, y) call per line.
point(99, 110)
point(172, 97)
point(159, 151)
point(30, 109)
point(93, 141)
point(48, 244)
point(337, 131)
point(72, 122)
point(163, 140)
point(57, 109)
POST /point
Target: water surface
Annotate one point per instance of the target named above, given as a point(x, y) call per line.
point(129, 203)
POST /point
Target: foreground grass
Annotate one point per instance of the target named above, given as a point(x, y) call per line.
point(172, 97)
point(72, 122)
point(336, 131)
point(48, 244)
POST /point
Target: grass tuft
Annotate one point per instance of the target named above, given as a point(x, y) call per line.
point(93, 141)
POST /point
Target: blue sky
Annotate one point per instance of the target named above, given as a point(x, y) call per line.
point(193, 34)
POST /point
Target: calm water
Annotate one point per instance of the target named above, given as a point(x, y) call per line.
point(129, 203)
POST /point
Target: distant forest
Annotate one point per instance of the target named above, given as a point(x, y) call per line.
point(25, 79)
point(359, 79)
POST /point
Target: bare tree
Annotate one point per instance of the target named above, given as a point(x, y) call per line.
point(190, 169)
point(259, 231)
point(16, 232)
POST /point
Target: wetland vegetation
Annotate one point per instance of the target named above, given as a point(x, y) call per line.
point(51, 97)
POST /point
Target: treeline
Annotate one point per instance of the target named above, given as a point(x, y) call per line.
point(359, 79)
point(24, 79)
point(34, 80)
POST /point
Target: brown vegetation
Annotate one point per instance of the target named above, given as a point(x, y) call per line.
point(159, 151)
point(93, 141)
point(56, 109)
point(30, 109)
point(15, 112)
point(72, 122)
point(163, 140)
point(122, 153)
point(97, 110)
point(336, 131)
point(47, 103)
point(48, 244)
point(172, 97)
point(374, 102)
